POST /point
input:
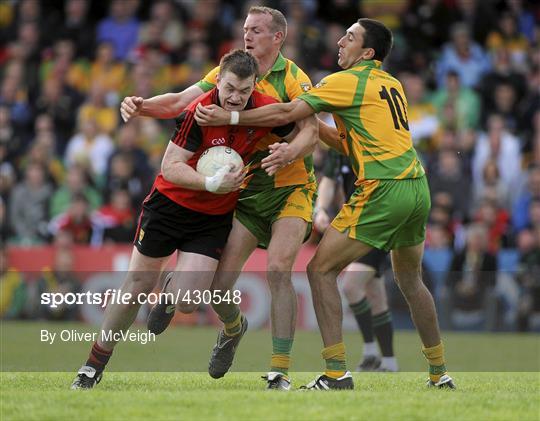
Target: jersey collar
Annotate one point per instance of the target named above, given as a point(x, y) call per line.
point(368, 63)
point(278, 66)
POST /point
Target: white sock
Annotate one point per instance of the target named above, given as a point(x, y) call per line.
point(370, 348)
point(390, 363)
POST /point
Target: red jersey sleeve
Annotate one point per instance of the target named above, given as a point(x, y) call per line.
point(188, 134)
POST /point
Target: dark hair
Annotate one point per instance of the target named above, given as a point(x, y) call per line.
point(240, 62)
point(377, 36)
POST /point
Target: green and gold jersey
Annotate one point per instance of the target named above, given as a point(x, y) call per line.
point(370, 111)
point(285, 81)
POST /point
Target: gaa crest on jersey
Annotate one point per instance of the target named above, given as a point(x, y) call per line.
point(305, 86)
point(321, 84)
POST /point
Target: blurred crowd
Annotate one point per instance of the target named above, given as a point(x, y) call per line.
point(72, 172)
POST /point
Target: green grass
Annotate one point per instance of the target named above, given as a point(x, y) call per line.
point(497, 378)
point(481, 396)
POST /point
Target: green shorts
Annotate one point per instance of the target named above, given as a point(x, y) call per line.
point(258, 210)
point(387, 214)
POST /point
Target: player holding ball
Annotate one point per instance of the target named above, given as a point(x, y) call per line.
point(186, 210)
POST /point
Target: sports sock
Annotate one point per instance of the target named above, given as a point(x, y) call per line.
point(370, 348)
point(435, 357)
point(334, 356)
point(98, 357)
point(384, 332)
point(281, 355)
point(362, 314)
point(389, 363)
point(232, 322)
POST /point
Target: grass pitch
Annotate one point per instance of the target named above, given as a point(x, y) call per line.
point(163, 396)
point(172, 382)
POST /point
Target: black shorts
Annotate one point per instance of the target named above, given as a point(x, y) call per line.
point(377, 259)
point(165, 226)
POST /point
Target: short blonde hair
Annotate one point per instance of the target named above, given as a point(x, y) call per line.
point(279, 23)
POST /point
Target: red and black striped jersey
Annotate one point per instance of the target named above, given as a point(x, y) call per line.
point(190, 136)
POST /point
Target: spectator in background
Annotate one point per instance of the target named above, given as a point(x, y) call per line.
point(449, 177)
point(464, 57)
point(95, 108)
point(63, 280)
point(117, 218)
point(505, 104)
point(520, 211)
point(528, 276)
point(127, 141)
point(423, 122)
point(502, 147)
point(12, 289)
point(122, 174)
point(507, 36)
point(59, 101)
point(496, 222)
point(76, 183)
point(14, 98)
point(121, 27)
point(163, 14)
point(107, 72)
point(90, 149)
point(502, 74)
point(471, 281)
point(59, 63)
point(77, 27)
point(28, 206)
point(458, 107)
point(77, 221)
point(10, 141)
point(42, 153)
point(491, 187)
point(194, 67)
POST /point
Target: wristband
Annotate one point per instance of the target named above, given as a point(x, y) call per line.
point(235, 118)
point(211, 184)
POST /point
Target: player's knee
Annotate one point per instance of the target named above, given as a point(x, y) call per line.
point(140, 283)
point(186, 308)
point(278, 273)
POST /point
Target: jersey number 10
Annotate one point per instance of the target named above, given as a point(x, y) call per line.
point(397, 107)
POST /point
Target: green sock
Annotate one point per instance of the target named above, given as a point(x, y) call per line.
point(281, 354)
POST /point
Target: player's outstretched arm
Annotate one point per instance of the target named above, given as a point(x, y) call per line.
point(175, 169)
point(168, 105)
point(298, 144)
point(268, 116)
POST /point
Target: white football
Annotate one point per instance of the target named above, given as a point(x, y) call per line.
point(217, 157)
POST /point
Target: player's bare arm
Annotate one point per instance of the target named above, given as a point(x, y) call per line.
point(325, 195)
point(160, 106)
point(175, 169)
point(268, 116)
point(330, 136)
point(299, 143)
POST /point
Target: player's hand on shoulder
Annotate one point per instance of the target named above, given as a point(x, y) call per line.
point(130, 107)
point(280, 156)
point(232, 179)
point(211, 115)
